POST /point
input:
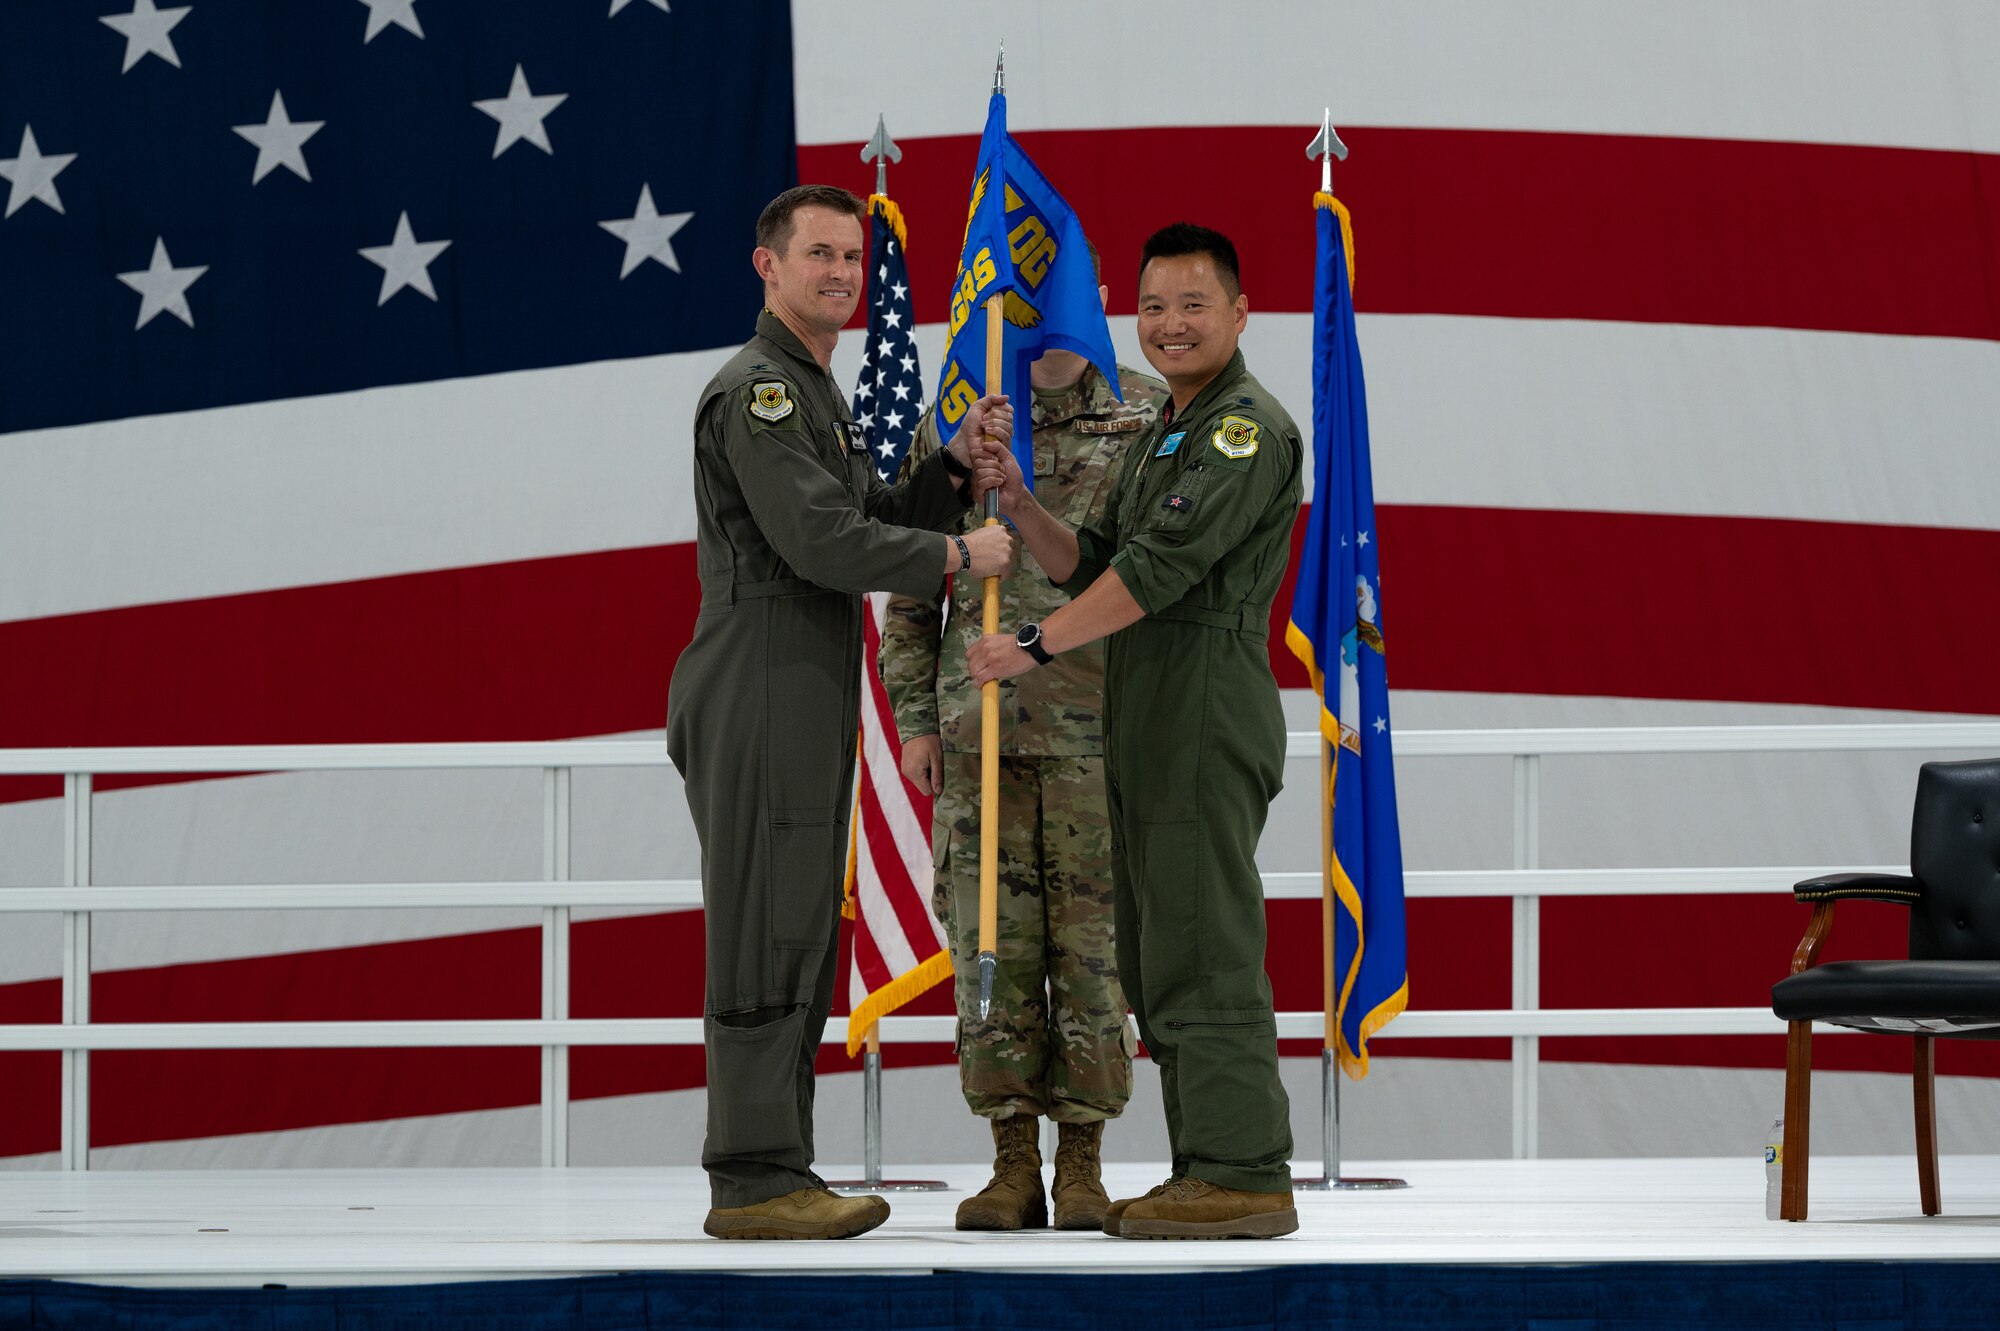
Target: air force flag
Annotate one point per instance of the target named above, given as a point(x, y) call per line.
point(1336, 630)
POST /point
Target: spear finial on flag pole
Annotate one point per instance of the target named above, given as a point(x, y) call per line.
point(881, 150)
point(1326, 146)
point(1000, 70)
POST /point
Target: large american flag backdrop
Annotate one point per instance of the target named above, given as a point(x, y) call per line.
point(348, 351)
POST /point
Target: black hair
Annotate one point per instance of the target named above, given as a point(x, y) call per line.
point(1183, 238)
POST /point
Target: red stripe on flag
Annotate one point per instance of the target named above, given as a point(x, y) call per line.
point(1726, 952)
point(1559, 603)
point(1517, 224)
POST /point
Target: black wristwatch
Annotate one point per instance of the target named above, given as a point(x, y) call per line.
point(952, 466)
point(1029, 640)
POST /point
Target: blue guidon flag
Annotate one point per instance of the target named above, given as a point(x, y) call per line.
point(1021, 239)
point(889, 400)
point(1336, 631)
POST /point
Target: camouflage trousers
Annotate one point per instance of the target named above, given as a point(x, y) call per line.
point(1057, 1043)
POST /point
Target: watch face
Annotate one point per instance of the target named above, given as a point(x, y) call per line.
point(1029, 635)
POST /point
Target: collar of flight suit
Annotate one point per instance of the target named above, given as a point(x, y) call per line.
point(1204, 401)
point(1089, 396)
point(772, 329)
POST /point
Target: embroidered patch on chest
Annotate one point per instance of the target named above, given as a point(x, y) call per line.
point(771, 402)
point(1236, 437)
point(1171, 444)
point(1116, 425)
point(1178, 504)
point(849, 437)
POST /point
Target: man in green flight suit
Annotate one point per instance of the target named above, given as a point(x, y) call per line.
point(793, 526)
point(1180, 572)
point(1055, 1044)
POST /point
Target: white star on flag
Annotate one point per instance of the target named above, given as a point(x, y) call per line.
point(405, 262)
point(145, 31)
point(161, 286)
point(280, 141)
point(381, 13)
point(617, 5)
point(647, 233)
point(32, 175)
point(1381, 724)
point(520, 114)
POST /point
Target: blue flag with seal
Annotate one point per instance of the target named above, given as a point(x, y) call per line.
point(1336, 631)
point(1021, 240)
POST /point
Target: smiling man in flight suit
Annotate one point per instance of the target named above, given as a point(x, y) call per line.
point(1180, 571)
point(792, 527)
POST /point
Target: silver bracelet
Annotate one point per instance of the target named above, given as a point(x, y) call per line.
point(964, 553)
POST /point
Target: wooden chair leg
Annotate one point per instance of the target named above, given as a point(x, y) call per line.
point(1798, 1117)
point(1924, 1083)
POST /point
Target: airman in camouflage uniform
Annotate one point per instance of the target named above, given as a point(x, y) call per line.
point(1057, 1043)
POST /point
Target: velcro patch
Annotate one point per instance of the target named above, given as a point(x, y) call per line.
point(1178, 503)
point(771, 401)
point(1236, 437)
point(1116, 425)
point(1170, 445)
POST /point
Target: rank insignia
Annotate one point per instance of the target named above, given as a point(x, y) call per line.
point(1236, 437)
point(770, 402)
point(1171, 444)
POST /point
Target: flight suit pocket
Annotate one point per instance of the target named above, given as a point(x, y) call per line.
point(1174, 509)
point(802, 889)
point(753, 1098)
point(1171, 901)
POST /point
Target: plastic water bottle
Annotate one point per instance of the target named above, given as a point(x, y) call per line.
point(1774, 1169)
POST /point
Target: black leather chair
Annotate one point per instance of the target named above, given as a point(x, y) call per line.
point(1949, 988)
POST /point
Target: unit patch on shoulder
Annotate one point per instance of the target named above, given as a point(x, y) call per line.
point(1171, 444)
point(1236, 437)
point(770, 401)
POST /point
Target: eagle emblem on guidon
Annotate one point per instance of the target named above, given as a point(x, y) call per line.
point(1236, 437)
point(770, 402)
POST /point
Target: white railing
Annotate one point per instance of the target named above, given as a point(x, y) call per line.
point(555, 1032)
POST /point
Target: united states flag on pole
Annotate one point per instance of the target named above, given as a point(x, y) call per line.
point(899, 950)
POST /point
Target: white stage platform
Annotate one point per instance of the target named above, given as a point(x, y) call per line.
point(348, 1227)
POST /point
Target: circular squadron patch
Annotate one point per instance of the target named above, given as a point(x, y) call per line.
point(1236, 437)
point(770, 401)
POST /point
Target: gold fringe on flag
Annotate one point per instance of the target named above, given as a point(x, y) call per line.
point(883, 204)
point(1338, 209)
point(893, 995)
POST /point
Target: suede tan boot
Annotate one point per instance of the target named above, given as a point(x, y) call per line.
point(1081, 1201)
point(1115, 1213)
point(1014, 1199)
point(1192, 1208)
point(809, 1213)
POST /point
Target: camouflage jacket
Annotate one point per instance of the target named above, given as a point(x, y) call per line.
point(1055, 710)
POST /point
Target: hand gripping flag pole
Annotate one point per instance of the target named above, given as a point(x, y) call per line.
point(1334, 399)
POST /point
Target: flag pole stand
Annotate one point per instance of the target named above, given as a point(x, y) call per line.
point(871, 1179)
point(1331, 1180)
